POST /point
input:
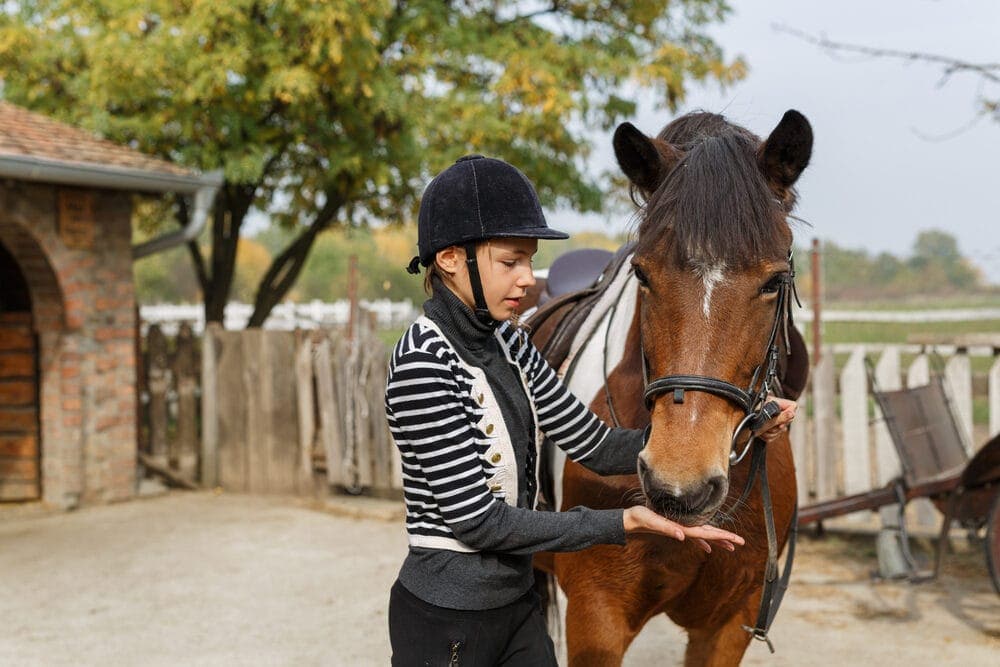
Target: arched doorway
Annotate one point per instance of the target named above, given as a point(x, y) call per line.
point(20, 445)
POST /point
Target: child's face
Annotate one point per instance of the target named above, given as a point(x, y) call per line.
point(505, 270)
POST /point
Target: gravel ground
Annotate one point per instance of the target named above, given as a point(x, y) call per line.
point(220, 579)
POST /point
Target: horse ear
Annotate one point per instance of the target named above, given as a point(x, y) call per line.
point(644, 160)
point(786, 152)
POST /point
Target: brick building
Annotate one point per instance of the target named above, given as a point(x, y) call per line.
point(68, 317)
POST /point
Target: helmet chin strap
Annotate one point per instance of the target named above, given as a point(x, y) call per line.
point(482, 311)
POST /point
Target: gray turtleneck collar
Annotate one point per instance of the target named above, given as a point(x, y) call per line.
point(458, 322)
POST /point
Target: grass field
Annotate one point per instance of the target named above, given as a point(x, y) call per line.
point(893, 332)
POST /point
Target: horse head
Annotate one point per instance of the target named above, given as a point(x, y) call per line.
point(712, 260)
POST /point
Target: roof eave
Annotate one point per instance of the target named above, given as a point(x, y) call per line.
point(202, 186)
point(27, 168)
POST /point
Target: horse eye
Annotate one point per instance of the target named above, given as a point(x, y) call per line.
point(773, 285)
point(640, 276)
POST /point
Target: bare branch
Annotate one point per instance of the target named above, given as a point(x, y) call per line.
point(988, 71)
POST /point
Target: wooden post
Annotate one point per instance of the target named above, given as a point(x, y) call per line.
point(345, 375)
point(854, 420)
point(920, 511)
point(279, 410)
point(958, 376)
point(824, 397)
point(919, 372)
point(306, 408)
point(235, 400)
point(994, 396)
point(329, 415)
point(363, 409)
point(888, 379)
point(255, 367)
point(814, 265)
point(141, 386)
point(352, 296)
point(801, 436)
point(156, 343)
point(209, 408)
point(185, 368)
point(381, 441)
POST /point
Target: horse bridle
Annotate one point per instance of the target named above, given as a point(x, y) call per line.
point(752, 400)
point(757, 411)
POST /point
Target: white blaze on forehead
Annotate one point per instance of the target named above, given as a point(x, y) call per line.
point(711, 275)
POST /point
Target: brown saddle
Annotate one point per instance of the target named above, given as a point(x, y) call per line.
point(555, 324)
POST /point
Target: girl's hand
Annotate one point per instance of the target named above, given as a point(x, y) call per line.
point(639, 519)
point(776, 426)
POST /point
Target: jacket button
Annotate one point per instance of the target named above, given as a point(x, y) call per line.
point(496, 488)
point(495, 458)
point(489, 429)
point(480, 399)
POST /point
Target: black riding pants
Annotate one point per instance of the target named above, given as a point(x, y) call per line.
point(423, 634)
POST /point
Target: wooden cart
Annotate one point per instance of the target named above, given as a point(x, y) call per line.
point(935, 465)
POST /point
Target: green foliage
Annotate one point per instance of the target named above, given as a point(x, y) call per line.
point(338, 112)
point(358, 100)
point(384, 252)
point(382, 257)
point(166, 278)
point(935, 269)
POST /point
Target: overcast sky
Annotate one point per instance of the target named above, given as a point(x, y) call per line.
point(882, 169)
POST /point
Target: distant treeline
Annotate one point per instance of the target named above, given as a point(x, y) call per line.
point(933, 268)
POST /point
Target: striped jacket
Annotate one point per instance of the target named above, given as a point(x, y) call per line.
point(456, 455)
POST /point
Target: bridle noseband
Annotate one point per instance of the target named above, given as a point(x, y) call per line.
point(752, 400)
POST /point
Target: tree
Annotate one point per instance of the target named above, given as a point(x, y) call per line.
point(937, 259)
point(165, 277)
point(336, 113)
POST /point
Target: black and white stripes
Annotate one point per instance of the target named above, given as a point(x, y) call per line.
point(456, 456)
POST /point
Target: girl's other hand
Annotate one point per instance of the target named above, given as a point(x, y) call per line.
point(779, 424)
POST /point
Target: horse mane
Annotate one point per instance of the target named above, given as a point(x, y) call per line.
point(715, 201)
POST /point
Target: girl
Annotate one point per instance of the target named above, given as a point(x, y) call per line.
point(468, 399)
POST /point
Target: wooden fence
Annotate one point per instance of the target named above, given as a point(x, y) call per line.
point(301, 411)
point(279, 411)
point(168, 389)
point(842, 446)
point(278, 406)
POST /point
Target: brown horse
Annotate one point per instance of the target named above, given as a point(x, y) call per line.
point(713, 247)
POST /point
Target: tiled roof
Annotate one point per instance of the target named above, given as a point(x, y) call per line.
point(24, 133)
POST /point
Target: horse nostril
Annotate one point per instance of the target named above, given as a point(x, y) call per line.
point(643, 467)
point(719, 485)
point(695, 501)
point(709, 494)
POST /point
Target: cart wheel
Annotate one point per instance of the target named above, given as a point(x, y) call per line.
point(993, 542)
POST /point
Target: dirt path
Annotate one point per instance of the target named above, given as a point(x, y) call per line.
point(200, 579)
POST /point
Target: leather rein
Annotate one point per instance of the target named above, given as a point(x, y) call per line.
point(757, 411)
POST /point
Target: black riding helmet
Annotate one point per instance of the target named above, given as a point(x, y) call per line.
point(476, 199)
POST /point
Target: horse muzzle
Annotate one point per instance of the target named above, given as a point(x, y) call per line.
point(689, 505)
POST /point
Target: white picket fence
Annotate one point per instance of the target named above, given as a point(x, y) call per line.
point(396, 314)
point(284, 317)
point(846, 450)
